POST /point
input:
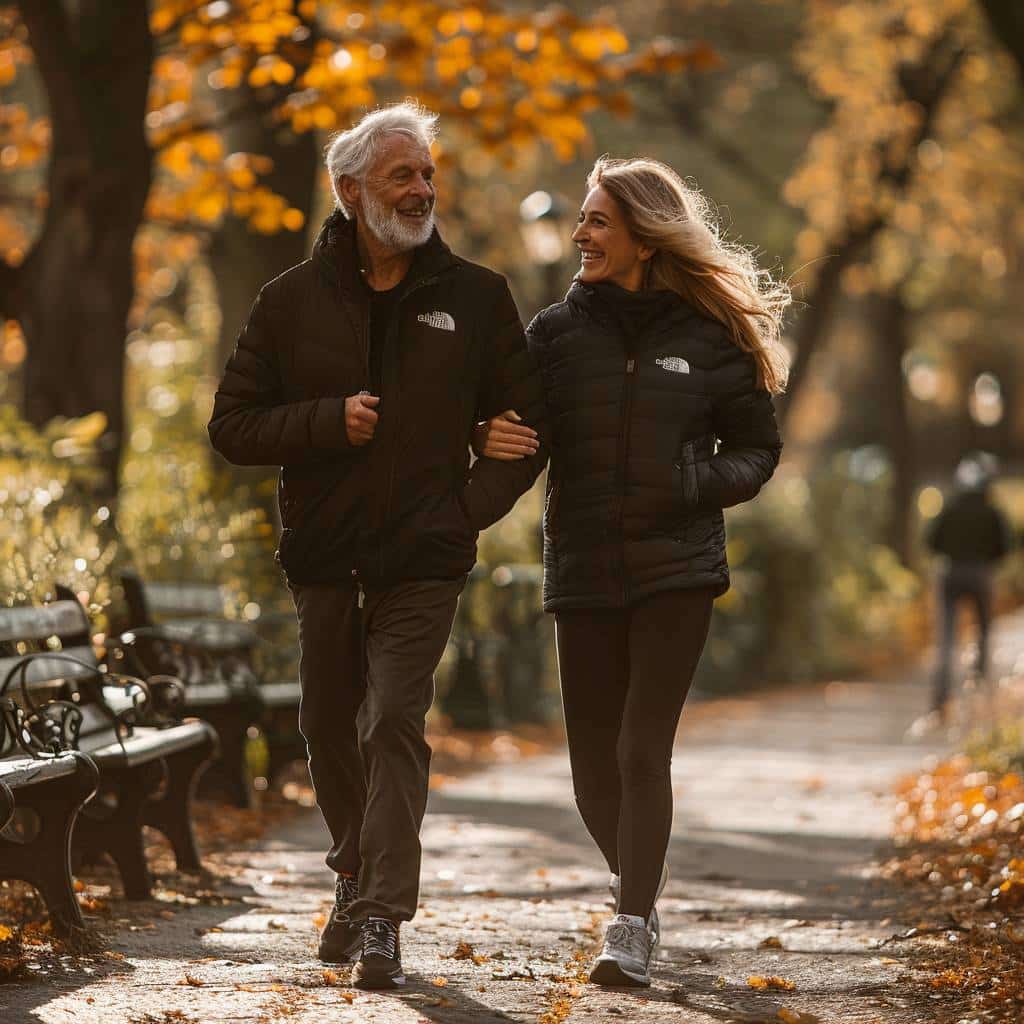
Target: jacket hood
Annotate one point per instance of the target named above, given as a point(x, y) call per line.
point(337, 256)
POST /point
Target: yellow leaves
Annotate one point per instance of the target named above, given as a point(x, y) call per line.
point(440, 982)
point(449, 24)
point(208, 146)
point(5, 932)
point(293, 219)
point(85, 430)
point(525, 40)
point(758, 981)
point(242, 177)
point(470, 98)
point(211, 207)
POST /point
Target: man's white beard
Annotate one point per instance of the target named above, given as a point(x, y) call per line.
point(388, 227)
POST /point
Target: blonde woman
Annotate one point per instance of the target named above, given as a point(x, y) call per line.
point(658, 371)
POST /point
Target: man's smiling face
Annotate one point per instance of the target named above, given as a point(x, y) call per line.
point(396, 199)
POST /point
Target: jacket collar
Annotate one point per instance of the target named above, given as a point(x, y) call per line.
point(337, 257)
point(632, 314)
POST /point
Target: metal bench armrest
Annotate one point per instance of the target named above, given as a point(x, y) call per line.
point(47, 731)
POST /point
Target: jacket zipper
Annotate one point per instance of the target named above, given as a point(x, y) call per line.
point(627, 407)
point(383, 373)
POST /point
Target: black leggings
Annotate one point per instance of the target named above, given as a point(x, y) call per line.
point(625, 674)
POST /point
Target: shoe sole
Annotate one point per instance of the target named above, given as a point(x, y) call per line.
point(611, 973)
point(376, 981)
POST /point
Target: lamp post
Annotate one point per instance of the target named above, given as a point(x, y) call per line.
point(543, 223)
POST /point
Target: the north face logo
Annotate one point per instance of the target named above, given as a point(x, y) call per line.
point(442, 321)
point(673, 363)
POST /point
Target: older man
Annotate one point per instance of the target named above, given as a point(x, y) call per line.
point(361, 373)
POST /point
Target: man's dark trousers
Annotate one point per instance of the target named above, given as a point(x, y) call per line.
point(367, 679)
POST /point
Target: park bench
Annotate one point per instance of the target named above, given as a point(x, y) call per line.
point(43, 786)
point(180, 628)
point(148, 759)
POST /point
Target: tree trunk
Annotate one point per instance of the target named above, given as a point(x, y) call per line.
point(1007, 20)
point(926, 85)
point(243, 260)
point(73, 293)
point(891, 330)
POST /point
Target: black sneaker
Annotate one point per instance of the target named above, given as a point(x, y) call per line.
point(341, 938)
point(380, 964)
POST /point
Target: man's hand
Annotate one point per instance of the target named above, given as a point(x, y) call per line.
point(505, 438)
point(360, 418)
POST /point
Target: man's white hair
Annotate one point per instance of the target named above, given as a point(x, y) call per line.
point(352, 152)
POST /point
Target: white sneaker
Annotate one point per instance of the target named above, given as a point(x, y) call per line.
point(626, 954)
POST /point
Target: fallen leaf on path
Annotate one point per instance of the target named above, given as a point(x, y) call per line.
point(796, 1017)
point(464, 951)
point(772, 942)
point(759, 981)
point(439, 982)
point(192, 980)
point(319, 921)
point(513, 973)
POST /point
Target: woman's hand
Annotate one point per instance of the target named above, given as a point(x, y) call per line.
point(505, 437)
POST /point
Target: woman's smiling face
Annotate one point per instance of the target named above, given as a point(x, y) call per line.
point(608, 251)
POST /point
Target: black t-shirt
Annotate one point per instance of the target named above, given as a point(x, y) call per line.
point(382, 308)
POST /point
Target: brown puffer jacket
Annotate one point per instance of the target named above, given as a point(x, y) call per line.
point(405, 506)
point(655, 425)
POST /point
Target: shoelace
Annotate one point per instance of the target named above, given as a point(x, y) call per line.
point(380, 938)
point(346, 891)
point(630, 939)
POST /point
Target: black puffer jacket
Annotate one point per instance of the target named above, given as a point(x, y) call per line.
point(404, 506)
point(656, 424)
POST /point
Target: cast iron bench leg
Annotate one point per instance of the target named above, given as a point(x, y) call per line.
point(171, 813)
point(45, 861)
point(120, 834)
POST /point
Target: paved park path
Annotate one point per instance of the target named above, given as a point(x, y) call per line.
point(782, 802)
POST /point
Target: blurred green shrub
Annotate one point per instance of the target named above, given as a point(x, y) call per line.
point(814, 591)
point(54, 529)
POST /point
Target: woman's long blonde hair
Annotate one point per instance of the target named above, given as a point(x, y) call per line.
point(719, 278)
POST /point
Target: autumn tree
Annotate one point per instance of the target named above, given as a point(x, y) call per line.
point(199, 85)
point(891, 186)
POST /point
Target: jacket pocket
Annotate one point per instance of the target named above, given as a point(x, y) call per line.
point(689, 486)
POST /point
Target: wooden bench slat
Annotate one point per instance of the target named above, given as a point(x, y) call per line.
point(278, 695)
point(169, 597)
point(147, 744)
point(62, 618)
point(24, 771)
point(44, 669)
